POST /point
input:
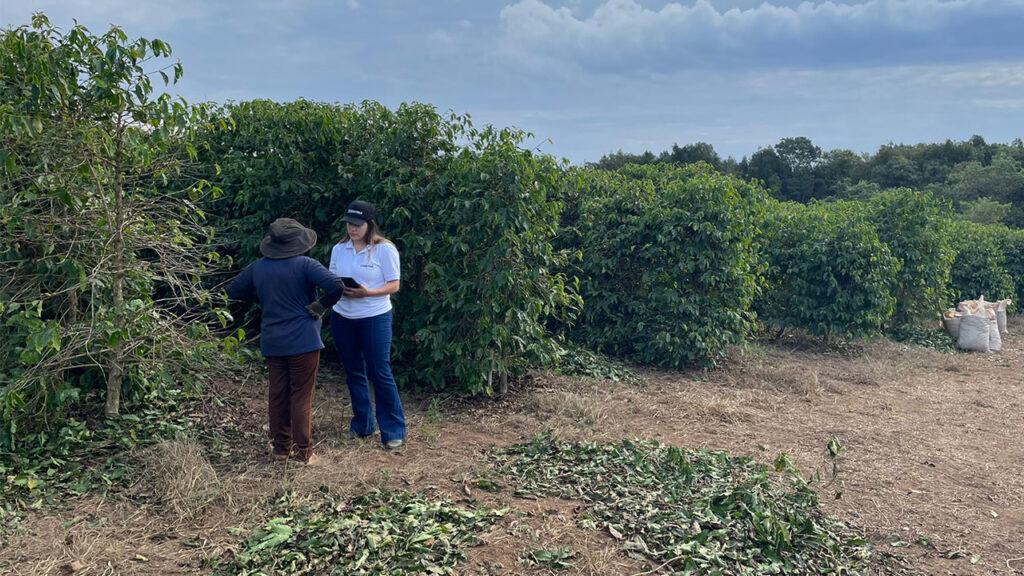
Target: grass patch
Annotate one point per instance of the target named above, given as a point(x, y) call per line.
point(179, 476)
point(699, 512)
point(581, 409)
point(376, 533)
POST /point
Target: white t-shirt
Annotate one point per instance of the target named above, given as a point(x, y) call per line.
point(372, 267)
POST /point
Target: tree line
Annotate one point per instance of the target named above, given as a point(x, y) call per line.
point(983, 181)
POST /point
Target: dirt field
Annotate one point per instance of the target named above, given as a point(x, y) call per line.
point(933, 461)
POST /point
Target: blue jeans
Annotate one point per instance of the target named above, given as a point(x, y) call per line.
point(364, 346)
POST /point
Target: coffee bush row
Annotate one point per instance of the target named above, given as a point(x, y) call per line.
point(507, 254)
point(858, 269)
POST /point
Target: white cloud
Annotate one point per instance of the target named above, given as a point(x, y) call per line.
point(441, 38)
point(939, 77)
point(1001, 103)
point(622, 36)
point(991, 76)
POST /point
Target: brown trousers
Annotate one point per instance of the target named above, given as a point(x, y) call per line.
point(292, 379)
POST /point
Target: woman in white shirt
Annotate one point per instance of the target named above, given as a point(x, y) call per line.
point(361, 324)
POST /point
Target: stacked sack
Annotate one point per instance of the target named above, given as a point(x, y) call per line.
point(977, 325)
point(1000, 309)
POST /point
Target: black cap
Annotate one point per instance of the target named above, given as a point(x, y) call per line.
point(359, 212)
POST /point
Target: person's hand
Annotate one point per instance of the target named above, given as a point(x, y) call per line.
point(315, 309)
point(361, 292)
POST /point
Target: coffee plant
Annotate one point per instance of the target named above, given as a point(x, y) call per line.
point(828, 272)
point(917, 228)
point(101, 252)
point(979, 268)
point(667, 266)
point(1013, 252)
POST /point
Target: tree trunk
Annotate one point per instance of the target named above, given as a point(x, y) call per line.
point(503, 383)
point(115, 376)
point(115, 363)
point(70, 320)
point(74, 312)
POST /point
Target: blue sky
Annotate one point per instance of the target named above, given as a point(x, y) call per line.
point(596, 76)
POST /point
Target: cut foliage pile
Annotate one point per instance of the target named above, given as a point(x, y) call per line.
point(689, 511)
point(376, 533)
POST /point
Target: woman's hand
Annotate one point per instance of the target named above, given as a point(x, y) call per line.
point(364, 292)
point(361, 292)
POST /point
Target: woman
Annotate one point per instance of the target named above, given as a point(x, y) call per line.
point(285, 283)
point(361, 324)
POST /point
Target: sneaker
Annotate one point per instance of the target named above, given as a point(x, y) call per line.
point(394, 444)
point(278, 457)
point(353, 436)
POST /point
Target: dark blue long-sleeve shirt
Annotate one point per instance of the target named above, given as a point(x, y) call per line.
point(284, 287)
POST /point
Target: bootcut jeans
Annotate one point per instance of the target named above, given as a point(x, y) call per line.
point(364, 345)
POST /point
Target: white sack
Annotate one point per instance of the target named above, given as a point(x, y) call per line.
point(952, 326)
point(1001, 321)
point(995, 341)
point(975, 333)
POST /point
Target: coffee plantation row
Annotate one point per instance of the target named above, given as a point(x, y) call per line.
point(124, 211)
point(508, 254)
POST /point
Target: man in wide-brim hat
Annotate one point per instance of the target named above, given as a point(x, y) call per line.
point(285, 283)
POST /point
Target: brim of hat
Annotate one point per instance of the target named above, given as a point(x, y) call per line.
point(295, 247)
point(354, 220)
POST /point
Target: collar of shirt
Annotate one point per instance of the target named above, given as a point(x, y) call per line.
point(350, 246)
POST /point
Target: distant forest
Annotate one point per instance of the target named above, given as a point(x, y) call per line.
point(984, 182)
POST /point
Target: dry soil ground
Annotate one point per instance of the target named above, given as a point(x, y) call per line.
point(933, 462)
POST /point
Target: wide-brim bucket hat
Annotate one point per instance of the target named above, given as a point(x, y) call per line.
point(287, 238)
